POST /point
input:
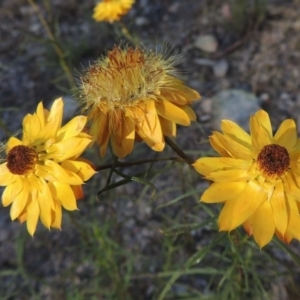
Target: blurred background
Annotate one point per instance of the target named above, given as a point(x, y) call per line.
point(150, 238)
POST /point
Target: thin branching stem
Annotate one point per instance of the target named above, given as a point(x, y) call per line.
point(175, 148)
point(126, 33)
point(137, 162)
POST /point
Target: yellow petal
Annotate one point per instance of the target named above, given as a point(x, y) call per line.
point(116, 129)
point(184, 90)
point(223, 191)
point(12, 142)
point(293, 220)
point(123, 136)
point(290, 184)
point(104, 142)
point(286, 135)
point(19, 201)
point(53, 121)
point(171, 112)
point(6, 177)
point(66, 149)
point(23, 216)
point(279, 208)
point(82, 169)
point(234, 147)
point(260, 136)
point(33, 212)
point(64, 194)
point(44, 198)
point(57, 216)
point(149, 129)
point(189, 111)
point(128, 135)
point(168, 127)
point(217, 145)
point(56, 114)
point(263, 118)
point(41, 114)
point(52, 171)
point(46, 203)
point(207, 165)
point(174, 97)
point(99, 128)
point(238, 210)
point(11, 192)
point(234, 131)
point(263, 224)
point(116, 126)
point(72, 128)
point(230, 175)
point(224, 220)
point(31, 129)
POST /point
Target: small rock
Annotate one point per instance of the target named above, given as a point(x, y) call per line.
point(224, 84)
point(35, 28)
point(141, 21)
point(285, 96)
point(235, 105)
point(204, 118)
point(206, 105)
point(264, 97)
point(226, 11)
point(204, 62)
point(173, 8)
point(285, 102)
point(220, 68)
point(207, 43)
point(296, 25)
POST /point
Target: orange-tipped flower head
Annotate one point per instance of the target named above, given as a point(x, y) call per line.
point(132, 94)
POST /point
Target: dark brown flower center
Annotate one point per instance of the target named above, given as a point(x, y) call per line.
point(273, 160)
point(21, 160)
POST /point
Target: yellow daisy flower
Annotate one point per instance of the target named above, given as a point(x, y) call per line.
point(43, 172)
point(111, 10)
point(257, 177)
point(131, 94)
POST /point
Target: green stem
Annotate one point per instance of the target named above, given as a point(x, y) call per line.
point(58, 49)
point(137, 162)
point(175, 148)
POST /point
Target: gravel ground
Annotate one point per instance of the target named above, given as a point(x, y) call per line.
point(256, 51)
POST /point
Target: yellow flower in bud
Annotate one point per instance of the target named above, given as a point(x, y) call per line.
point(257, 178)
point(133, 95)
point(43, 172)
point(111, 10)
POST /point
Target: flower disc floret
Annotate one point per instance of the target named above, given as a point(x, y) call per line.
point(21, 160)
point(43, 171)
point(134, 95)
point(257, 178)
point(273, 160)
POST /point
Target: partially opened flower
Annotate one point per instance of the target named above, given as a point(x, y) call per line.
point(43, 171)
point(131, 94)
point(257, 178)
point(111, 10)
